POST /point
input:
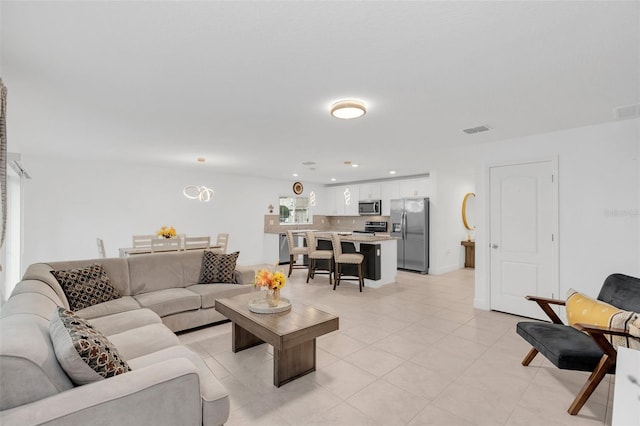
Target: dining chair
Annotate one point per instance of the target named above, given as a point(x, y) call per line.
point(294, 252)
point(341, 258)
point(222, 240)
point(101, 253)
point(165, 244)
point(315, 255)
point(141, 241)
point(193, 243)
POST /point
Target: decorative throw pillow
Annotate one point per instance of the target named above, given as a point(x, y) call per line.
point(86, 286)
point(84, 353)
point(218, 268)
point(582, 309)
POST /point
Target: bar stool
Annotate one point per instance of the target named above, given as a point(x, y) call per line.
point(315, 254)
point(345, 258)
point(294, 252)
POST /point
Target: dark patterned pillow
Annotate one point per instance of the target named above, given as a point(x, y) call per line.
point(86, 286)
point(84, 353)
point(218, 268)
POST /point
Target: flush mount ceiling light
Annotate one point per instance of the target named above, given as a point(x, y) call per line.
point(347, 110)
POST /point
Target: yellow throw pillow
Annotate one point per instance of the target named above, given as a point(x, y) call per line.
point(582, 309)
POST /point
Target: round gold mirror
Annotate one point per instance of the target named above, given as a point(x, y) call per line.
point(468, 210)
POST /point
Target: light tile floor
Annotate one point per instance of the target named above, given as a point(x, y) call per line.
point(411, 353)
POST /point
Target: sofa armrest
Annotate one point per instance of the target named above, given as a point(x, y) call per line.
point(545, 303)
point(166, 393)
point(244, 275)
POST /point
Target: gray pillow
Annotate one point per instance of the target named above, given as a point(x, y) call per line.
point(84, 353)
point(86, 286)
point(218, 268)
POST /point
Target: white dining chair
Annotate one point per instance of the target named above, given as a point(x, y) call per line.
point(222, 240)
point(101, 253)
point(194, 243)
point(143, 241)
point(165, 244)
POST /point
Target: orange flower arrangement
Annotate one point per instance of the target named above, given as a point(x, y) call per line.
point(270, 280)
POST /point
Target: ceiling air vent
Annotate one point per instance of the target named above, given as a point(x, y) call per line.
point(472, 130)
point(626, 112)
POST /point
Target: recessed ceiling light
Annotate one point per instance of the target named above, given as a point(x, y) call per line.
point(348, 109)
point(333, 179)
point(355, 165)
point(392, 172)
point(295, 175)
point(347, 162)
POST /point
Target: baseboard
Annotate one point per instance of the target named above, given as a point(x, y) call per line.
point(444, 270)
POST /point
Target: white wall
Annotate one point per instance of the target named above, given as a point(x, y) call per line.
point(69, 203)
point(599, 197)
point(447, 228)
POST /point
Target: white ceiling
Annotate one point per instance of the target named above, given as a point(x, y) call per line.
point(248, 85)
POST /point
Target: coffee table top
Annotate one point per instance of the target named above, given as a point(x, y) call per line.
point(282, 330)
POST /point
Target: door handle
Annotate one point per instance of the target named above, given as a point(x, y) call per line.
point(494, 246)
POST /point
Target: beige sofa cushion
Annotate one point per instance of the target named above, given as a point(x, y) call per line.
point(143, 340)
point(123, 321)
point(159, 271)
point(123, 304)
point(210, 292)
point(169, 301)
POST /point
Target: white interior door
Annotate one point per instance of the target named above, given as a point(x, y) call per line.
point(523, 253)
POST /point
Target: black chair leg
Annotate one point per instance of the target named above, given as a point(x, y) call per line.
point(336, 278)
point(360, 277)
point(309, 271)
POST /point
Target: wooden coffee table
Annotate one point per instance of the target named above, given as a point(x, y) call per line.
point(292, 333)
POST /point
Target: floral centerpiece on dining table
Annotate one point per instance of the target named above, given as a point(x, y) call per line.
point(272, 282)
point(166, 232)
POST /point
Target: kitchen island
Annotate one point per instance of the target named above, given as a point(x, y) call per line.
point(380, 255)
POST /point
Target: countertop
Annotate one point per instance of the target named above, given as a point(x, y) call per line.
point(357, 238)
point(344, 235)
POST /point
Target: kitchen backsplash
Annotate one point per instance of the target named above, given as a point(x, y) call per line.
point(322, 223)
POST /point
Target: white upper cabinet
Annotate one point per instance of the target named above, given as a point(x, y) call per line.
point(420, 187)
point(330, 208)
point(384, 191)
point(369, 191)
point(388, 191)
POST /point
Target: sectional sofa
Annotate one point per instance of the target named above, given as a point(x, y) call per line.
point(164, 383)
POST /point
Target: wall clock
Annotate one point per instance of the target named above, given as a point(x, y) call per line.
point(297, 188)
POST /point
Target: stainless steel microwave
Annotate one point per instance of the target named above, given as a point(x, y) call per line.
point(370, 207)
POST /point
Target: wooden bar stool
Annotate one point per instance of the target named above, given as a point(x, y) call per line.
point(294, 252)
point(345, 258)
point(315, 254)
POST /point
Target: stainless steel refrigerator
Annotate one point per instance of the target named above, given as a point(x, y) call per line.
point(410, 224)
